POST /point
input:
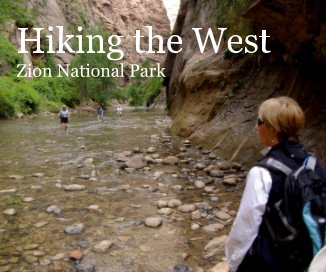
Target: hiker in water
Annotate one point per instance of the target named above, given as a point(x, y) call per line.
point(100, 113)
point(119, 110)
point(64, 117)
point(251, 245)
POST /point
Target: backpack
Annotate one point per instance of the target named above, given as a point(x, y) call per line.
point(300, 216)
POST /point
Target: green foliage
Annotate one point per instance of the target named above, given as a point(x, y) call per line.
point(119, 94)
point(96, 88)
point(13, 201)
point(20, 94)
point(58, 90)
point(228, 14)
point(7, 109)
point(143, 90)
point(15, 10)
point(9, 58)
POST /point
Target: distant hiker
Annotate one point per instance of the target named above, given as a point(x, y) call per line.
point(119, 110)
point(100, 112)
point(259, 240)
point(64, 117)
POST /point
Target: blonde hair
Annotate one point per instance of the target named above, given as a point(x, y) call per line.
point(283, 114)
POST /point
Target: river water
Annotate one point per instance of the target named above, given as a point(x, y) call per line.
point(37, 161)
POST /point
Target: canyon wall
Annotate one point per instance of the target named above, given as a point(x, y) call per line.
point(118, 17)
point(213, 97)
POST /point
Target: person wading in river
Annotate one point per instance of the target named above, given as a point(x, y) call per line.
point(64, 117)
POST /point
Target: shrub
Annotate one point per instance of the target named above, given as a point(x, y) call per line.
point(7, 109)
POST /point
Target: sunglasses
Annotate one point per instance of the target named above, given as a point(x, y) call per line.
point(259, 122)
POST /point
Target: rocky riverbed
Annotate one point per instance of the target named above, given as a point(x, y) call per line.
point(119, 195)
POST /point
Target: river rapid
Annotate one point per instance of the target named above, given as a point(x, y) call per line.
point(76, 201)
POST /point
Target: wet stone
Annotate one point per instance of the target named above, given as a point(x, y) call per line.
point(6, 268)
point(180, 268)
point(16, 177)
point(31, 246)
point(44, 262)
point(74, 229)
point(187, 208)
point(41, 224)
point(74, 187)
point(165, 211)
point(58, 257)
point(28, 199)
point(8, 191)
point(172, 203)
point(85, 267)
point(10, 212)
point(30, 259)
point(153, 222)
point(102, 246)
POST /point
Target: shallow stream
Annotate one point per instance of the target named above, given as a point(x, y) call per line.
point(37, 161)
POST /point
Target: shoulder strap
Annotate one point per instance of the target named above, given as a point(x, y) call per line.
point(277, 165)
point(309, 163)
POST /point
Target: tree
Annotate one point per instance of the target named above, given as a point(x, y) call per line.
point(96, 88)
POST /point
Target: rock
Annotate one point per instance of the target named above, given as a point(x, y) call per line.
point(151, 149)
point(8, 191)
point(153, 222)
point(39, 253)
point(165, 211)
point(95, 208)
point(236, 165)
point(215, 247)
point(136, 162)
point(222, 215)
point(44, 262)
point(30, 259)
point(172, 203)
point(58, 257)
point(28, 199)
point(195, 215)
point(10, 212)
point(230, 180)
point(224, 165)
point(216, 173)
point(31, 246)
point(41, 224)
point(17, 177)
point(162, 203)
point(187, 208)
point(85, 267)
point(171, 160)
point(149, 159)
point(200, 166)
point(180, 268)
point(199, 184)
point(220, 267)
point(38, 175)
point(76, 255)
point(213, 227)
point(74, 187)
point(102, 246)
point(74, 229)
point(195, 226)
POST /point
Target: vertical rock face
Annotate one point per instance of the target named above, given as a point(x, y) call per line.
point(214, 98)
point(124, 17)
point(119, 17)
